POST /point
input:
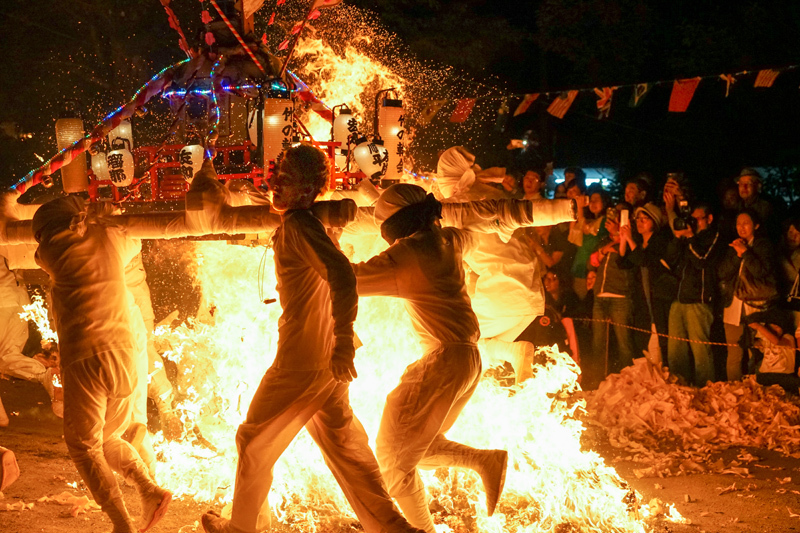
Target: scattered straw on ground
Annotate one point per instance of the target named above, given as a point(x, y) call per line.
point(646, 412)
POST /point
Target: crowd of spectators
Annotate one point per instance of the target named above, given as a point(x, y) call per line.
point(710, 291)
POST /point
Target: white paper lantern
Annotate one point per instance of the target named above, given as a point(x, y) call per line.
point(120, 167)
point(100, 166)
point(73, 175)
point(390, 129)
point(344, 125)
point(191, 159)
point(122, 134)
point(277, 127)
point(340, 158)
point(372, 158)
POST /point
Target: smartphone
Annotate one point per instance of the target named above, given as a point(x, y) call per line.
point(623, 217)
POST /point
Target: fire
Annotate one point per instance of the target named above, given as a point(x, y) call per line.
point(351, 77)
point(551, 481)
point(36, 312)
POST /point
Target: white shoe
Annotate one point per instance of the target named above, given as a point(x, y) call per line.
point(493, 476)
point(154, 506)
point(9, 469)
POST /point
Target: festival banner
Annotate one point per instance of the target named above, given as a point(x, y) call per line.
point(463, 110)
point(682, 93)
point(526, 103)
point(729, 80)
point(430, 110)
point(640, 90)
point(559, 107)
point(604, 96)
point(766, 78)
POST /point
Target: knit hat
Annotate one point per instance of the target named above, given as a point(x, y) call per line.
point(454, 171)
point(653, 212)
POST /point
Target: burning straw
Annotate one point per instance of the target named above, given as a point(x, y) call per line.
point(552, 483)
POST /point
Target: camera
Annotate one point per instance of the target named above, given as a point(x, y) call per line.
point(683, 219)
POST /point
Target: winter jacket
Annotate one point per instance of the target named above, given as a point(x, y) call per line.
point(751, 278)
point(695, 261)
point(663, 282)
point(614, 275)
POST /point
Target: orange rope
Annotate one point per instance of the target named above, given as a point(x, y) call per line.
point(650, 332)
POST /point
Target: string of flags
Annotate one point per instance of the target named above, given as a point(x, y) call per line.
point(683, 91)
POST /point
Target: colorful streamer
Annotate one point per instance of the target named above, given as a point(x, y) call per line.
point(150, 89)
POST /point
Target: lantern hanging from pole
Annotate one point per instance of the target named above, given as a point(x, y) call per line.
point(120, 163)
point(124, 132)
point(277, 124)
point(100, 166)
point(340, 159)
point(372, 157)
point(191, 159)
point(344, 125)
point(73, 175)
point(390, 129)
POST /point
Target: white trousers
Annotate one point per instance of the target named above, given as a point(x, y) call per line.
point(432, 393)
point(285, 402)
point(13, 336)
point(97, 411)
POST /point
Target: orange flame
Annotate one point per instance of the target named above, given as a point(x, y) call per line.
point(551, 481)
point(351, 77)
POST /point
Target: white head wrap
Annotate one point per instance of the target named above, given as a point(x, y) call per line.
point(396, 198)
point(454, 171)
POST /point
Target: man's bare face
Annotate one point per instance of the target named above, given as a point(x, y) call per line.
point(748, 187)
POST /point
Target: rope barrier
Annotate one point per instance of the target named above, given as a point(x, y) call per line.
point(650, 332)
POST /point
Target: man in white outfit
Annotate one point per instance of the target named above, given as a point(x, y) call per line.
point(504, 265)
point(86, 257)
point(14, 331)
point(423, 267)
point(308, 384)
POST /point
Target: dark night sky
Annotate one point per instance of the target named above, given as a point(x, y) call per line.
point(99, 51)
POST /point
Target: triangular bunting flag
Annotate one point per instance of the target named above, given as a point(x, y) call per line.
point(296, 28)
point(526, 103)
point(281, 2)
point(430, 110)
point(682, 93)
point(640, 90)
point(284, 45)
point(559, 107)
point(729, 80)
point(271, 20)
point(766, 78)
point(604, 96)
point(264, 39)
point(463, 110)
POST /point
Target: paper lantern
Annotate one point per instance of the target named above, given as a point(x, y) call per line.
point(191, 159)
point(122, 134)
point(73, 175)
point(277, 126)
point(340, 158)
point(120, 166)
point(372, 157)
point(390, 129)
point(344, 125)
point(100, 166)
